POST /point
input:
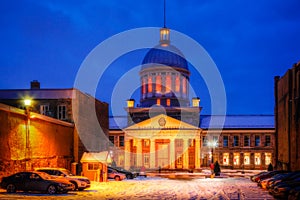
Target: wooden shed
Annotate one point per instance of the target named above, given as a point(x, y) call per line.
point(94, 165)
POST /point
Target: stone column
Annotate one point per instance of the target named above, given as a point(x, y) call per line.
point(185, 154)
point(152, 153)
point(172, 154)
point(139, 152)
point(127, 154)
point(197, 153)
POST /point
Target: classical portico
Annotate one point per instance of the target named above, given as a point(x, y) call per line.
point(162, 141)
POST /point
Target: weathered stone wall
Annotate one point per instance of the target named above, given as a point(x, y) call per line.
point(29, 141)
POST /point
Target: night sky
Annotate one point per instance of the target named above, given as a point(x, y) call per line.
point(249, 41)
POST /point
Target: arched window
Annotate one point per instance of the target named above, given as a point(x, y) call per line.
point(158, 83)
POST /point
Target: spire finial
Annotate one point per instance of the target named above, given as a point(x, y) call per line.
point(164, 13)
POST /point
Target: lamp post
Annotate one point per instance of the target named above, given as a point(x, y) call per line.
point(27, 103)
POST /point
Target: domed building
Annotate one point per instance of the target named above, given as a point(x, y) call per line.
point(163, 129)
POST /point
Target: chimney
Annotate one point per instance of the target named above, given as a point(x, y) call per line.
point(35, 85)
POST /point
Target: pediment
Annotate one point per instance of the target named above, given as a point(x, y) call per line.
point(161, 122)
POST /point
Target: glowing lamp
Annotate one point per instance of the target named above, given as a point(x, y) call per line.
point(130, 103)
point(196, 101)
point(27, 102)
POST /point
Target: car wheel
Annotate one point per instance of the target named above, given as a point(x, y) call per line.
point(11, 188)
point(75, 185)
point(51, 189)
point(129, 176)
point(117, 178)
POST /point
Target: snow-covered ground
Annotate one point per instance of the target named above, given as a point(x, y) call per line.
point(155, 187)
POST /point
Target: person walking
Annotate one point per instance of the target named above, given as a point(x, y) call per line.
point(270, 167)
point(217, 169)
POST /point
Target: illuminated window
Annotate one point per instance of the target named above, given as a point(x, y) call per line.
point(246, 140)
point(267, 140)
point(236, 158)
point(149, 84)
point(257, 159)
point(246, 158)
point(146, 143)
point(225, 158)
point(177, 84)
point(268, 158)
point(158, 83)
point(225, 141)
point(168, 83)
point(168, 102)
point(146, 160)
point(61, 112)
point(236, 140)
point(257, 140)
point(144, 85)
point(44, 109)
point(179, 143)
point(158, 101)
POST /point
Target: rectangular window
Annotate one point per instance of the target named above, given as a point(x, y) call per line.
point(267, 140)
point(268, 158)
point(236, 141)
point(44, 109)
point(257, 159)
point(246, 158)
point(179, 143)
point(121, 141)
point(144, 85)
point(168, 102)
point(93, 166)
point(112, 140)
point(146, 160)
point(225, 141)
point(236, 158)
point(246, 140)
point(158, 101)
point(257, 140)
point(168, 83)
point(204, 141)
point(146, 142)
point(177, 83)
point(225, 158)
point(62, 112)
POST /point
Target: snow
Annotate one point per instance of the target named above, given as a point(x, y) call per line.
point(181, 186)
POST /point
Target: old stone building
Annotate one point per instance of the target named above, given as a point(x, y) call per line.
point(165, 130)
point(287, 115)
point(66, 105)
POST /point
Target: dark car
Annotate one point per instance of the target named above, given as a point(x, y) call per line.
point(128, 174)
point(252, 178)
point(282, 189)
point(288, 177)
point(294, 193)
point(268, 175)
point(35, 181)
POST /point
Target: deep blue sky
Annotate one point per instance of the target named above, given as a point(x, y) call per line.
point(250, 42)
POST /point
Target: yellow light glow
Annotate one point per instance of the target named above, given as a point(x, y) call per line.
point(27, 102)
point(130, 103)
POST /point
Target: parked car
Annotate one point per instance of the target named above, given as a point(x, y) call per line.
point(265, 182)
point(268, 175)
point(252, 178)
point(128, 174)
point(294, 193)
point(80, 182)
point(113, 174)
point(35, 181)
point(288, 177)
point(282, 189)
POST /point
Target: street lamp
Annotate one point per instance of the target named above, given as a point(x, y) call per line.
point(212, 145)
point(27, 103)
